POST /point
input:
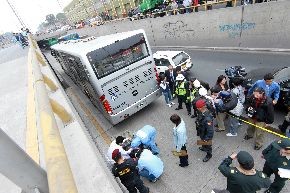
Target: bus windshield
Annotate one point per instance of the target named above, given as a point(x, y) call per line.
point(113, 57)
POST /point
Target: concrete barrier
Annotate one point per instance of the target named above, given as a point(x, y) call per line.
point(72, 162)
point(263, 25)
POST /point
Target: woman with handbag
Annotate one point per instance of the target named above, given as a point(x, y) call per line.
point(180, 138)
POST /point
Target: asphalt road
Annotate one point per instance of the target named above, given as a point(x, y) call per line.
point(198, 176)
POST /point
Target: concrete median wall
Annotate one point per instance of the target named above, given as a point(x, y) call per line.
point(265, 25)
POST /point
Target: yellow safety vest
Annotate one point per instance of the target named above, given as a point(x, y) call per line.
point(180, 90)
point(192, 94)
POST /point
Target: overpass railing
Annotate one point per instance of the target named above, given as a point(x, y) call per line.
point(41, 109)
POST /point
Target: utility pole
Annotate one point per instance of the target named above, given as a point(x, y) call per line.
point(18, 17)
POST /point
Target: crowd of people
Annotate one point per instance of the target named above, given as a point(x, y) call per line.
point(174, 7)
point(214, 109)
point(21, 38)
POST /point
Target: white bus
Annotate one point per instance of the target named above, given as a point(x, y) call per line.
point(117, 72)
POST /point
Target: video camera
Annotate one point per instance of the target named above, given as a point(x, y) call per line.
point(126, 145)
point(238, 73)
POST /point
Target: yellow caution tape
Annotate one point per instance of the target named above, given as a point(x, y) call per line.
point(262, 128)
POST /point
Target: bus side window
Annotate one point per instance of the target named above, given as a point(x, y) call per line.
point(79, 68)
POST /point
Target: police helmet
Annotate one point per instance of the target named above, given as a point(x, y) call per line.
point(180, 77)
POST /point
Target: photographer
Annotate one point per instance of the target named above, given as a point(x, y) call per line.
point(260, 110)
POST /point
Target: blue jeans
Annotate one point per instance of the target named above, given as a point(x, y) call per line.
point(168, 96)
point(145, 173)
point(234, 124)
point(152, 145)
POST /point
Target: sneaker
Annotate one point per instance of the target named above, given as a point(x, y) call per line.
point(189, 113)
point(240, 124)
point(153, 181)
point(172, 103)
point(178, 108)
point(169, 105)
point(232, 135)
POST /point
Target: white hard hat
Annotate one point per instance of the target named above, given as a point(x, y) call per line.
point(202, 91)
point(180, 77)
point(196, 83)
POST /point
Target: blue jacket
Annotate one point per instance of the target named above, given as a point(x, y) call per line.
point(272, 91)
point(179, 135)
point(150, 162)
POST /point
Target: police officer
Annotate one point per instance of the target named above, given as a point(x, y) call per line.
point(277, 155)
point(204, 125)
point(243, 178)
point(126, 170)
point(182, 92)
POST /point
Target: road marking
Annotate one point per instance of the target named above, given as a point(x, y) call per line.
point(94, 121)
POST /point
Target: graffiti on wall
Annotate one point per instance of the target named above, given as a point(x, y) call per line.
point(235, 29)
point(177, 30)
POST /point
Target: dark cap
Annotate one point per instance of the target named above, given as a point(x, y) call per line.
point(282, 144)
point(259, 90)
point(200, 103)
point(115, 154)
point(245, 160)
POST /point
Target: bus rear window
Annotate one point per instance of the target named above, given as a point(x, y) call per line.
point(118, 55)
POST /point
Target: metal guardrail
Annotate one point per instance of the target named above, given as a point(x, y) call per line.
point(59, 175)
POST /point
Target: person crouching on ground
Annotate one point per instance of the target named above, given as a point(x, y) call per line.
point(150, 166)
point(180, 138)
point(146, 136)
point(127, 171)
point(117, 144)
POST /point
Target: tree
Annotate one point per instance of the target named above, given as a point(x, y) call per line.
point(50, 19)
point(60, 17)
point(43, 26)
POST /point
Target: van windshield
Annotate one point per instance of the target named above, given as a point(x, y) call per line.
point(111, 58)
point(180, 58)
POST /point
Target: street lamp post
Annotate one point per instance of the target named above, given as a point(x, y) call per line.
point(15, 13)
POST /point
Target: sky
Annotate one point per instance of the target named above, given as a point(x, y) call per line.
point(32, 12)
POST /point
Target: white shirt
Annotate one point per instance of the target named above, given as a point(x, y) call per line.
point(113, 146)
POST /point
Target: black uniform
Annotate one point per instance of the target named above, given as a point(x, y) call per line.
point(238, 182)
point(204, 125)
point(274, 161)
point(170, 77)
point(128, 174)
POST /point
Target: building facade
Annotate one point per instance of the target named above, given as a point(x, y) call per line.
point(79, 10)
